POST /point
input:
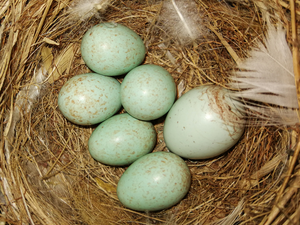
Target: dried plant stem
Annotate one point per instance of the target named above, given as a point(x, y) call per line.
point(230, 50)
point(49, 3)
point(294, 218)
point(291, 168)
point(57, 172)
point(26, 207)
point(46, 176)
point(297, 81)
point(285, 5)
point(278, 206)
point(263, 171)
point(6, 60)
point(295, 49)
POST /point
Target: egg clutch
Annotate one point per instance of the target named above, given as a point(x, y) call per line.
point(199, 125)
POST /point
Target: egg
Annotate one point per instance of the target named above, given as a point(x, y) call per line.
point(112, 49)
point(148, 92)
point(154, 182)
point(89, 98)
point(203, 123)
point(121, 139)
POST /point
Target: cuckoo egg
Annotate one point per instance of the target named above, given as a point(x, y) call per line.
point(203, 123)
point(89, 98)
point(154, 182)
point(112, 49)
point(121, 139)
point(148, 92)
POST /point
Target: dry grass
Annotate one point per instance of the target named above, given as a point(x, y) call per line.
point(47, 175)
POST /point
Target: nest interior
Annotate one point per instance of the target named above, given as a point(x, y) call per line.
point(47, 174)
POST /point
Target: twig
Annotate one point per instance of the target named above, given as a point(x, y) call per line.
point(288, 195)
point(291, 168)
point(285, 5)
point(297, 81)
point(295, 49)
point(295, 218)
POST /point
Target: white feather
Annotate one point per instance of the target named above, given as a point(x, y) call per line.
point(233, 217)
point(25, 99)
point(181, 20)
point(84, 9)
point(266, 77)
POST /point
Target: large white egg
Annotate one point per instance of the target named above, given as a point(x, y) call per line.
point(203, 123)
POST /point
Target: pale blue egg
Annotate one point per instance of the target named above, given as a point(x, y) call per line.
point(121, 140)
point(89, 98)
point(203, 123)
point(154, 182)
point(148, 92)
point(112, 49)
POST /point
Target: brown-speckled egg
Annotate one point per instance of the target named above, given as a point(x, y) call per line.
point(89, 98)
point(148, 92)
point(121, 139)
point(154, 182)
point(112, 49)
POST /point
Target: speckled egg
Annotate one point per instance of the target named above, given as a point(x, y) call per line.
point(121, 140)
point(112, 49)
point(154, 182)
point(89, 98)
point(148, 92)
point(203, 123)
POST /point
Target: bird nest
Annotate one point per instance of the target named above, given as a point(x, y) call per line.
point(47, 174)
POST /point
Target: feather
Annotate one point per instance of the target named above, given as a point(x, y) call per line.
point(266, 81)
point(181, 20)
point(85, 9)
point(25, 99)
point(233, 217)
